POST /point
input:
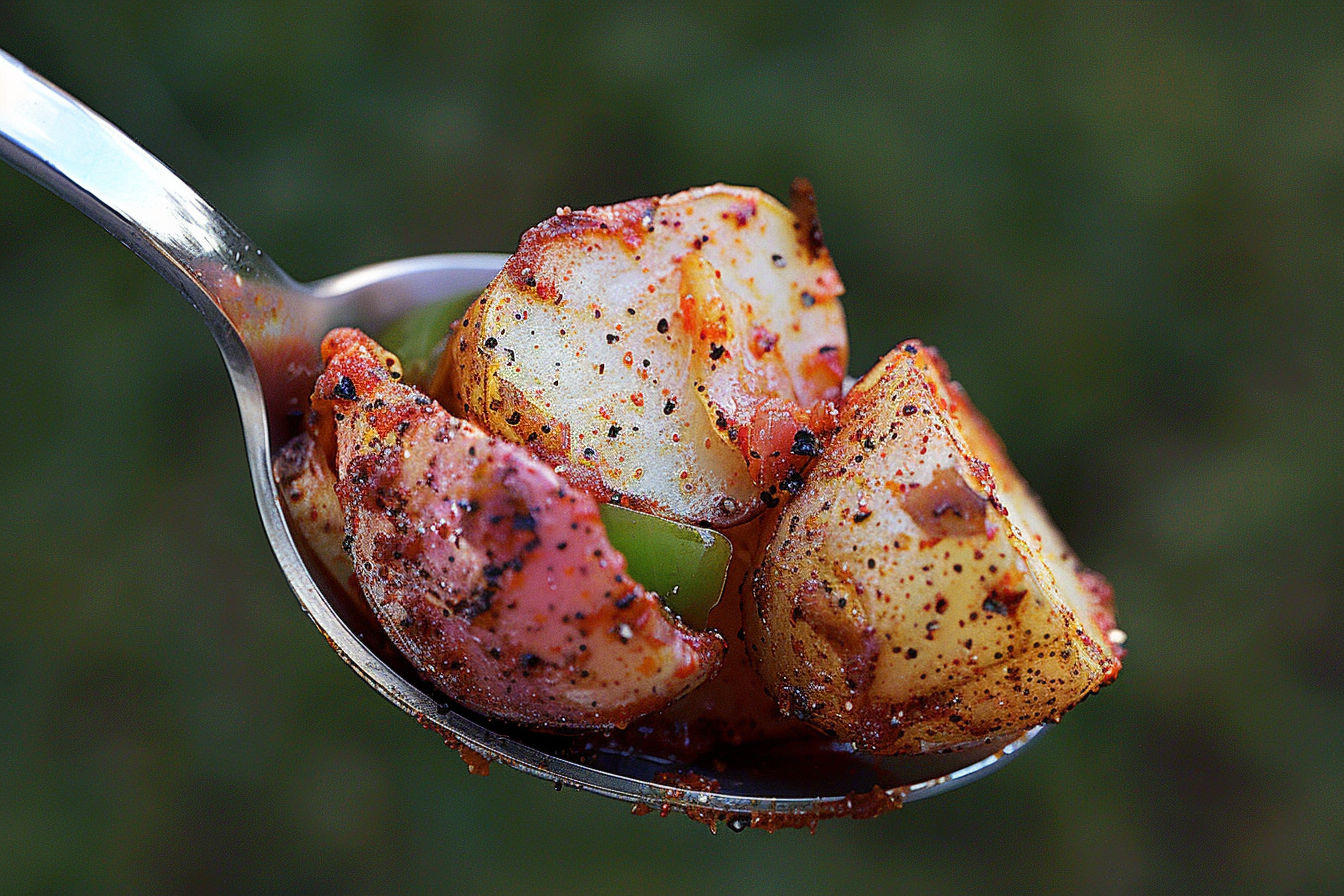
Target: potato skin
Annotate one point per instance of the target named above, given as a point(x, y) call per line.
point(665, 353)
point(492, 575)
point(914, 596)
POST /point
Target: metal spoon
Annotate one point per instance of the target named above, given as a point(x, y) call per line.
point(268, 328)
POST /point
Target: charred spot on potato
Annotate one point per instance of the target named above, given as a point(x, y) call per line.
point(803, 204)
point(345, 389)
point(805, 444)
point(1002, 602)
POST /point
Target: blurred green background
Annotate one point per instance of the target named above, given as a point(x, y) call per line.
point(1123, 225)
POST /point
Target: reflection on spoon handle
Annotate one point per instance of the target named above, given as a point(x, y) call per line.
point(74, 152)
point(81, 157)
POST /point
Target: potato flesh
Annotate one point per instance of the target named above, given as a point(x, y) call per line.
point(492, 575)
point(647, 349)
point(914, 596)
point(308, 490)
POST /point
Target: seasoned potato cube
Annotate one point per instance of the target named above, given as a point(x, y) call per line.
point(914, 595)
point(491, 574)
point(678, 354)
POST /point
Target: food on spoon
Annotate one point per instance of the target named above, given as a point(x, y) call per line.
point(678, 355)
point(685, 565)
point(903, 591)
point(490, 573)
point(914, 595)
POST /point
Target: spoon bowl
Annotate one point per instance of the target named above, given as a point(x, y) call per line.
point(268, 328)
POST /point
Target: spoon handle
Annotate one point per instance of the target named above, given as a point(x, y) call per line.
point(256, 313)
point(78, 155)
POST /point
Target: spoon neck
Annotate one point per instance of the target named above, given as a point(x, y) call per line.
point(250, 305)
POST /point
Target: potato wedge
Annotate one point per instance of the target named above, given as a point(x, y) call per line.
point(914, 595)
point(492, 575)
point(669, 354)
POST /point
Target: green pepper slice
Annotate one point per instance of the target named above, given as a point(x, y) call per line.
point(685, 565)
point(419, 337)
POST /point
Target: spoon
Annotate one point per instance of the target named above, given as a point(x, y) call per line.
point(268, 328)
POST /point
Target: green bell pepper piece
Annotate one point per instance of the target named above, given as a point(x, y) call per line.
point(419, 338)
point(686, 565)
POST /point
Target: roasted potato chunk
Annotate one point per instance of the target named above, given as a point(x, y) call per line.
point(679, 355)
point(914, 595)
point(490, 573)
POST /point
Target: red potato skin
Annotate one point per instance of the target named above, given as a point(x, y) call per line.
point(490, 573)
